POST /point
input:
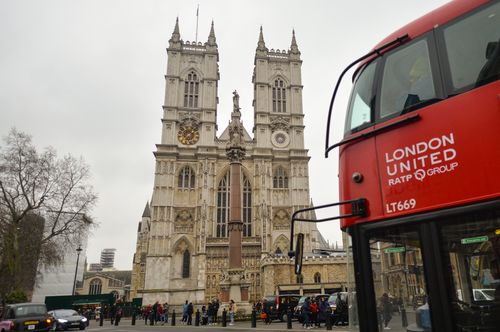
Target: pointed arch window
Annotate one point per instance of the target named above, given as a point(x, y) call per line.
point(191, 90)
point(279, 96)
point(247, 207)
point(280, 179)
point(186, 178)
point(223, 206)
point(317, 278)
point(95, 287)
point(186, 261)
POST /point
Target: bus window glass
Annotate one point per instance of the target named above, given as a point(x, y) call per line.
point(359, 111)
point(407, 79)
point(473, 49)
point(471, 249)
point(398, 279)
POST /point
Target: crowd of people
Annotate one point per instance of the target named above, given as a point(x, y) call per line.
point(159, 313)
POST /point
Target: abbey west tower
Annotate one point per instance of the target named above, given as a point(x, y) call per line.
point(182, 243)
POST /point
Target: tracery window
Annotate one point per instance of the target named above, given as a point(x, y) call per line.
point(191, 90)
point(223, 205)
point(95, 287)
point(186, 258)
point(317, 278)
point(280, 179)
point(186, 178)
point(279, 96)
point(247, 207)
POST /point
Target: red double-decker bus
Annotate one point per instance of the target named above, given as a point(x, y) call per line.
point(419, 175)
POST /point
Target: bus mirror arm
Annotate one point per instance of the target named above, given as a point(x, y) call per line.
point(378, 52)
point(358, 209)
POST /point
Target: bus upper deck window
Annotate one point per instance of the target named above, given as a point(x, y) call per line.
point(407, 79)
point(359, 111)
point(473, 49)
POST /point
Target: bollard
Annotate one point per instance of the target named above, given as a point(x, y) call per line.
point(173, 317)
point(197, 318)
point(133, 317)
point(404, 319)
point(254, 318)
point(328, 321)
point(289, 319)
point(224, 318)
point(101, 319)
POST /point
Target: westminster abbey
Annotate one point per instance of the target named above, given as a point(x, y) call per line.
point(182, 239)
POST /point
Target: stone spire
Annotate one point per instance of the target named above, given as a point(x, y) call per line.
point(211, 36)
point(235, 150)
point(294, 49)
point(261, 45)
point(176, 35)
point(147, 212)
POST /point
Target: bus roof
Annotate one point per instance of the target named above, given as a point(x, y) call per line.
point(435, 18)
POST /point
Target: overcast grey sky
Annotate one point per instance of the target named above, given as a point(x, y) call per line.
point(87, 77)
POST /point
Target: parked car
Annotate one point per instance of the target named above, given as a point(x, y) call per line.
point(68, 318)
point(302, 300)
point(31, 317)
point(279, 305)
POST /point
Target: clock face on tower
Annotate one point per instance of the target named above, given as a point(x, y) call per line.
point(188, 135)
point(280, 139)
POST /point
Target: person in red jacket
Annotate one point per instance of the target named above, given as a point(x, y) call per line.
point(314, 313)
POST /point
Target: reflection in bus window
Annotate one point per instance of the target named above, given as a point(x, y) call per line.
point(473, 49)
point(407, 79)
point(361, 99)
point(399, 285)
point(471, 249)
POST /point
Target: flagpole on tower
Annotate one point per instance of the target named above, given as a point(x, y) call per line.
point(197, 10)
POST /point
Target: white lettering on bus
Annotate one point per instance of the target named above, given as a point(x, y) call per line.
point(411, 162)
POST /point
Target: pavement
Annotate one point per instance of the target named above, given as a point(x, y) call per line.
point(126, 326)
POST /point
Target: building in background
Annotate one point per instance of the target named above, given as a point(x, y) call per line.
point(108, 258)
point(106, 282)
point(94, 267)
point(182, 240)
point(60, 280)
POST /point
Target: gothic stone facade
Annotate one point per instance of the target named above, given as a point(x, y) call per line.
point(182, 243)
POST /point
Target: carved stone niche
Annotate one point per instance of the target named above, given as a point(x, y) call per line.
point(280, 123)
point(184, 220)
point(281, 220)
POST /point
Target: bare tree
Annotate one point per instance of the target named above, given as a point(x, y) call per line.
point(45, 201)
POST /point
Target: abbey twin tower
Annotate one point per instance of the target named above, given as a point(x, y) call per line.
point(182, 241)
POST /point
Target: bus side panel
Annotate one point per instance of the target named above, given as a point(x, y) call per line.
point(359, 157)
point(453, 149)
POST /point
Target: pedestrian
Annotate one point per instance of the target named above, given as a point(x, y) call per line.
point(146, 313)
point(324, 308)
point(386, 309)
point(118, 315)
point(190, 313)
point(161, 314)
point(232, 311)
point(210, 313)
point(216, 309)
point(306, 312)
point(153, 312)
point(266, 312)
point(185, 312)
point(314, 313)
point(204, 315)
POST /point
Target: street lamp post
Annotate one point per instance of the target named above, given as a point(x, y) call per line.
point(78, 251)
